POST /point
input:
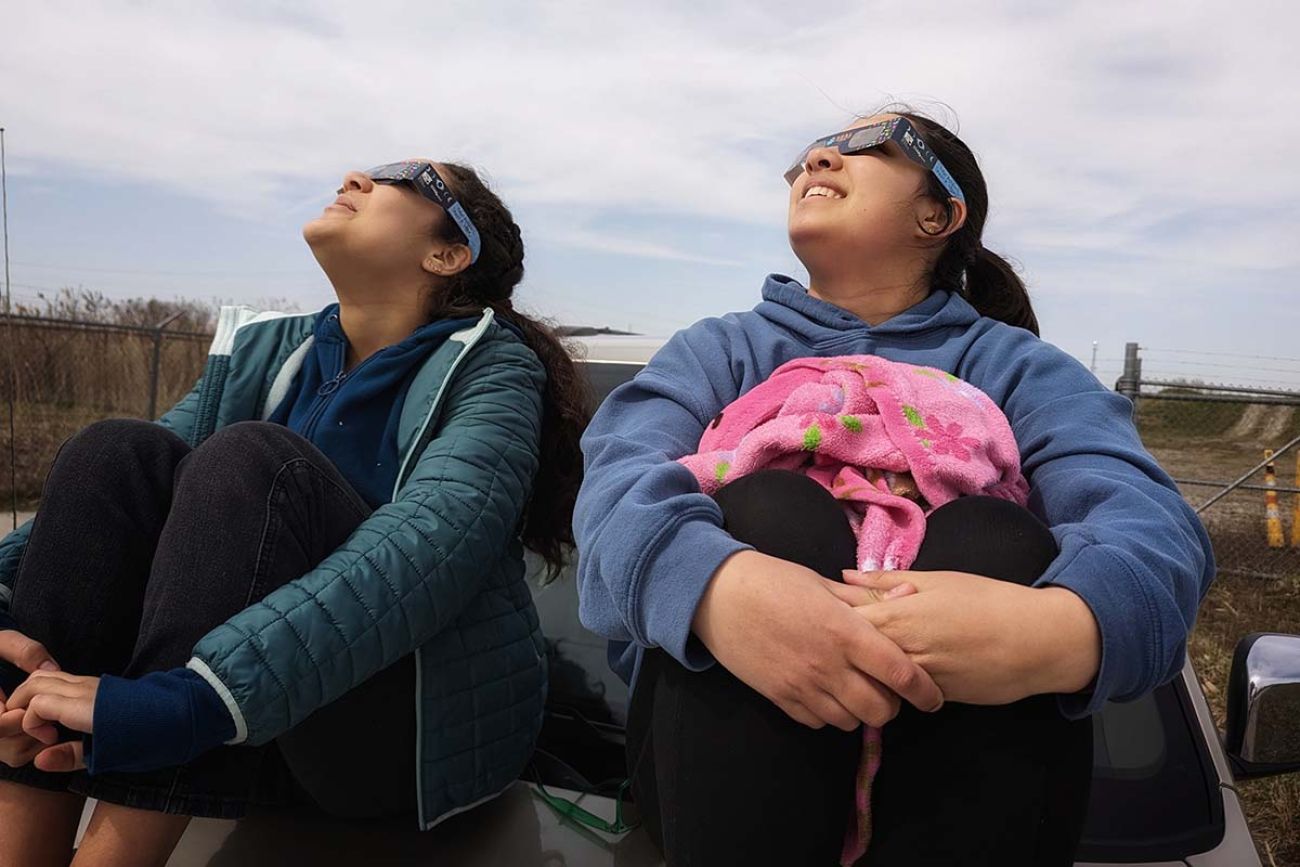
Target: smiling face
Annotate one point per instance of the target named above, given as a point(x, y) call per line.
point(389, 229)
point(863, 207)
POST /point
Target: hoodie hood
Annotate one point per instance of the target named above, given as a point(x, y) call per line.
point(787, 304)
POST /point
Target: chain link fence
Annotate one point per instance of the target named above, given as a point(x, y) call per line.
point(1211, 438)
point(63, 374)
point(1235, 453)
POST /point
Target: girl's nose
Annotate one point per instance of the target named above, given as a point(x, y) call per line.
point(356, 181)
point(823, 159)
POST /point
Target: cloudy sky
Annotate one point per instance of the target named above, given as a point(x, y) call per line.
point(1141, 157)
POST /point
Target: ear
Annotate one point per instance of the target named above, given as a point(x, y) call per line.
point(446, 259)
point(933, 220)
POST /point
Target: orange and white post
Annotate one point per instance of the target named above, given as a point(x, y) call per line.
point(1272, 517)
point(1295, 509)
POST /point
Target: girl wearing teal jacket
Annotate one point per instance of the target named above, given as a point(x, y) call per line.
point(308, 576)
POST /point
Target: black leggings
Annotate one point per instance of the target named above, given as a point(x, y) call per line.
point(142, 545)
point(724, 777)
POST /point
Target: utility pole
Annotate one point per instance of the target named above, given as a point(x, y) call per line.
point(1093, 367)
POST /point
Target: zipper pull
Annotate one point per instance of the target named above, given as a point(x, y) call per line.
point(331, 386)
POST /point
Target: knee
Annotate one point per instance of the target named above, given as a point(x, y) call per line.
point(237, 453)
point(987, 536)
point(788, 515)
point(120, 444)
point(245, 440)
point(774, 490)
point(114, 433)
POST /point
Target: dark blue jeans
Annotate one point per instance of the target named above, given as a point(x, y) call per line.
point(142, 545)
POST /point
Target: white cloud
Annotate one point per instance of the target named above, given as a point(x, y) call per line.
point(585, 239)
point(1102, 126)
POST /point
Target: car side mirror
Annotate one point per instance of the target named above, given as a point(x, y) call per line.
point(1263, 736)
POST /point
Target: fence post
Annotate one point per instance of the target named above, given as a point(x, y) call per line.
point(1130, 379)
point(157, 359)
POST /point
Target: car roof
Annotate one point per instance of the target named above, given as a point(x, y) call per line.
point(617, 348)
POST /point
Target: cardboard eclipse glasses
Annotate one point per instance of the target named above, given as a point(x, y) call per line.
point(862, 139)
point(428, 183)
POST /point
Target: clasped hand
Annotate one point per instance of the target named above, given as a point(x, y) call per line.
point(986, 641)
point(795, 637)
point(845, 654)
point(47, 697)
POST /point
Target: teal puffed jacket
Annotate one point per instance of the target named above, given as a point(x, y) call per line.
point(439, 571)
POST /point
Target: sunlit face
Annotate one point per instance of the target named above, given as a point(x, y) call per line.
point(861, 204)
point(389, 225)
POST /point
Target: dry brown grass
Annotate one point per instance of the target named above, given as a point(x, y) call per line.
point(1220, 441)
point(1234, 607)
point(63, 378)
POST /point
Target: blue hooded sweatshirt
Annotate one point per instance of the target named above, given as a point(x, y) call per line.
point(168, 718)
point(649, 541)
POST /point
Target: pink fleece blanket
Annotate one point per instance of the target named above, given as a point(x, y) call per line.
point(855, 424)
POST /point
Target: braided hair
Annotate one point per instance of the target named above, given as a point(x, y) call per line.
point(567, 404)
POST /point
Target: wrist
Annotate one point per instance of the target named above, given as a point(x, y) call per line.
point(725, 579)
point(161, 720)
point(1068, 642)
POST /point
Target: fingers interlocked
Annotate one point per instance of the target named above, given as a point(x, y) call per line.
point(50, 697)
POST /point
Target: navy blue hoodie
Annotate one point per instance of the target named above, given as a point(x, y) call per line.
point(352, 416)
point(649, 541)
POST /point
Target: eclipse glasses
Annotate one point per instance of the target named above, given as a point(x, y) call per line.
point(863, 138)
point(428, 183)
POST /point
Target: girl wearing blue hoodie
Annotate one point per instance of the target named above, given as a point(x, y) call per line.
point(309, 575)
point(754, 660)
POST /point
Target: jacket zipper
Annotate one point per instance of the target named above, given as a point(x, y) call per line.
point(326, 390)
point(476, 334)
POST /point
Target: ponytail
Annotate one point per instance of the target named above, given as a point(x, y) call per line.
point(996, 291)
point(966, 267)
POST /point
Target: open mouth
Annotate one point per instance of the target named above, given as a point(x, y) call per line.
point(822, 191)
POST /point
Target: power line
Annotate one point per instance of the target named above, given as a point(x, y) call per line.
point(165, 273)
point(1237, 380)
point(40, 288)
point(1164, 361)
point(1222, 354)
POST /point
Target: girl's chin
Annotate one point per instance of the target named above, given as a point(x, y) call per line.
point(821, 234)
point(321, 227)
point(831, 234)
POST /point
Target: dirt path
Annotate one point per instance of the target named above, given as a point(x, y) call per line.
point(1261, 423)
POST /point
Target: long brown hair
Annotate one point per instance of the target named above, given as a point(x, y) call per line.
point(490, 282)
point(966, 266)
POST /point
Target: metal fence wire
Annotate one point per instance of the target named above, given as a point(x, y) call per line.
point(1235, 453)
point(66, 374)
point(1212, 439)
